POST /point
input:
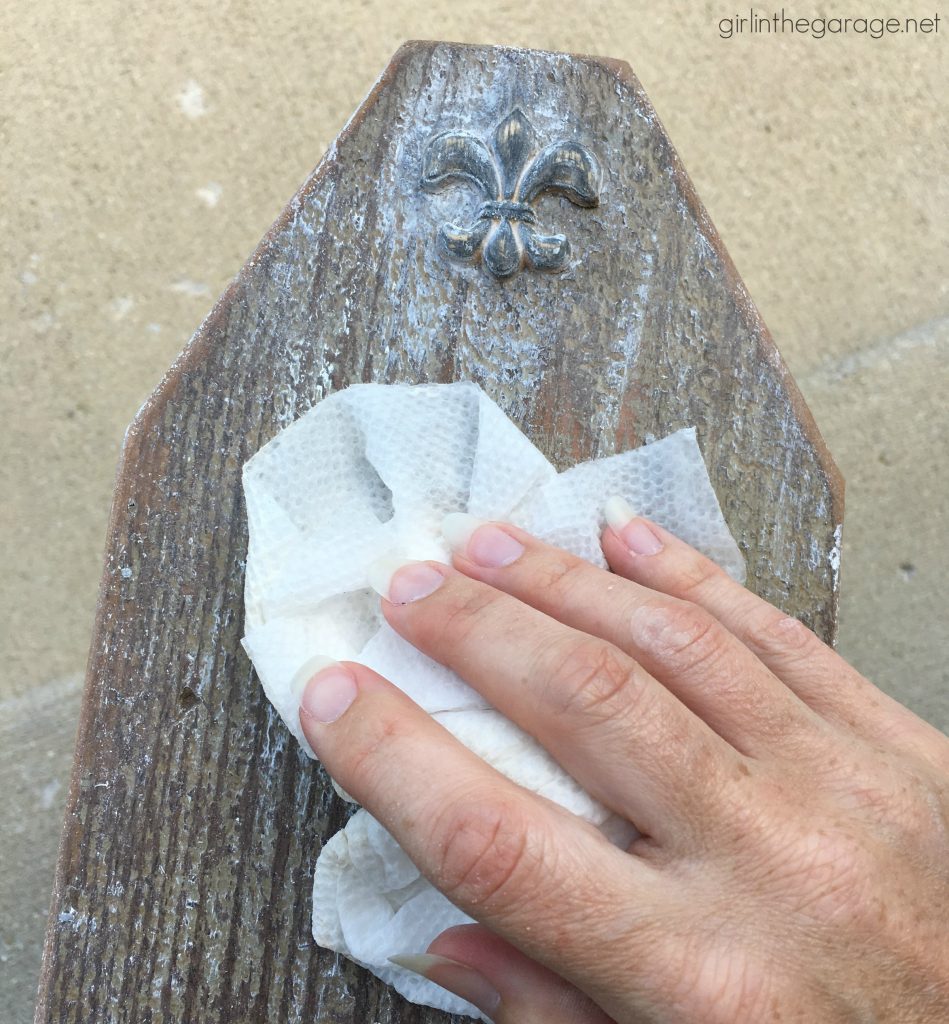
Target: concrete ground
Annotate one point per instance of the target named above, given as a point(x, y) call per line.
point(146, 148)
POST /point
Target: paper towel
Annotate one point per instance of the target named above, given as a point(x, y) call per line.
point(372, 470)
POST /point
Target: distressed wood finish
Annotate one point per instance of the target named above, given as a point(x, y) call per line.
point(193, 822)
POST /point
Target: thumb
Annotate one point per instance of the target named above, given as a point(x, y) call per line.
point(507, 986)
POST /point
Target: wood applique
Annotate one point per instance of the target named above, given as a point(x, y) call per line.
point(511, 173)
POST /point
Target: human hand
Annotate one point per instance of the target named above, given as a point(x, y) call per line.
point(793, 862)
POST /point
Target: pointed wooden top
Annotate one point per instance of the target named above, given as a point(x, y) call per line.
point(513, 217)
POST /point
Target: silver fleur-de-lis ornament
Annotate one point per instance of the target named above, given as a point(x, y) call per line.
point(511, 173)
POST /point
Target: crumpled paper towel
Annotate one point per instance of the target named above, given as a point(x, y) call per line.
point(370, 471)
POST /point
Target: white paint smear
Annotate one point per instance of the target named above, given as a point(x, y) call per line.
point(121, 306)
point(191, 100)
point(186, 286)
point(209, 194)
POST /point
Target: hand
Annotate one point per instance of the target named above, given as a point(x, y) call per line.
point(793, 863)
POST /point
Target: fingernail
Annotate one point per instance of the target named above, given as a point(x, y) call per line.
point(480, 541)
point(634, 532)
point(463, 981)
point(307, 671)
point(329, 693)
point(401, 580)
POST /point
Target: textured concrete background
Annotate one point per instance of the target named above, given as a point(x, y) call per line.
point(146, 148)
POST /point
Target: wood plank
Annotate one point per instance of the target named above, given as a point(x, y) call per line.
point(193, 822)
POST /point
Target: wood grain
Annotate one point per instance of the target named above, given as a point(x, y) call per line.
point(193, 823)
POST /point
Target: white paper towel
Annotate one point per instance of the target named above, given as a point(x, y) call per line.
point(372, 470)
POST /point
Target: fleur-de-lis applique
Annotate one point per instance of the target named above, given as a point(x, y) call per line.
point(511, 173)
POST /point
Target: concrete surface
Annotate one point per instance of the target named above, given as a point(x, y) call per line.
point(145, 150)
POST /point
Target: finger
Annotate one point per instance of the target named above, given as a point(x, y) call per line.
point(516, 862)
point(507, 986)
point(624, 737)
point(685, 647)
point(642, 551)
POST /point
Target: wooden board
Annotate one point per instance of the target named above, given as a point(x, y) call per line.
point(193, 822)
